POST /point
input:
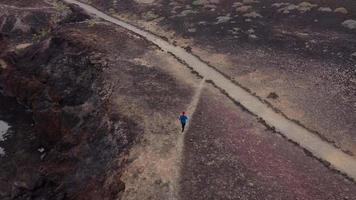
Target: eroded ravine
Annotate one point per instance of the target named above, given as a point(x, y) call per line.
point(298, 134)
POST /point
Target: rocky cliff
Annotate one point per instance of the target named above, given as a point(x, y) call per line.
point(78, 143)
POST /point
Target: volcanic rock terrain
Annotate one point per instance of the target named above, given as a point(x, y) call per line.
point(89, 109)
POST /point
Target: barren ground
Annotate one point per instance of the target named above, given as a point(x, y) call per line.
point(296, 55)
point(93, 108)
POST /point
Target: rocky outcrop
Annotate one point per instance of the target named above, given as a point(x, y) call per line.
point(84, 141)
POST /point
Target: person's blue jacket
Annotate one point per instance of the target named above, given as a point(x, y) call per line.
point(183, 119)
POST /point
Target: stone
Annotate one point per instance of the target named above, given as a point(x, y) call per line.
point(253, 15)
point(288, 8)
point(192, 30)
point(350, 24)
point(200, 2)
point(145, 1)
point(305, 6)
point(278, 5)
point(243, 9)
point(214, 1)
point(353, 55)
point(223, 19)
point(250, 1)
point(150, 15)
point(253, 36)
point(272, 95)
point(341, 10)
point(325, 9)
point(237, 4)
point(186, 12)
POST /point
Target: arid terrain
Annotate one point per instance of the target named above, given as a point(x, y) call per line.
point(298, 56)
point(89, 107)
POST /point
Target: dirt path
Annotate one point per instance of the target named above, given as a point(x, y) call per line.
point(311, 142)
point(156, 161)
point(193, 105)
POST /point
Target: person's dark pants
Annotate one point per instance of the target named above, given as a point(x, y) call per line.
point(183, 125)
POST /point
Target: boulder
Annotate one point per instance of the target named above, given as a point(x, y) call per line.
point(350, 24)
point(353, 55)
point(341, 10)
point(325, 9)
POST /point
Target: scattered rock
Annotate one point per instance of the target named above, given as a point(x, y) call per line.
point(272, 95)
point(43, 156)
point(200, 2)
point(145, 1)
point(202, 23)
point(192, 30)
point(341, 10)
point(223, 19)
point(243, 9)
point(353, 55)
point(350, 24)
point(235, 30)
point(22, 46)
point(150, 15)
point(306, 6)
point(237, 4)
point(3, 64)
point(278, 5)
point(188, 49)
point(41, 150)
point(210, 6)
point(253, 15)
point(253, 36)
point(214, 1)
point(186, 12)
point(325, 9)
point(288, 8)
point(302, 7)
point(158, 182)
point(250, 1)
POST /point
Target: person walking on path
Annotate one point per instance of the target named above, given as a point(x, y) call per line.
point(183, 120)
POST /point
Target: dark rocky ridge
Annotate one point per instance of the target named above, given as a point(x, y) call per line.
point(61, 81)
point(89, 98)
point(57, 81)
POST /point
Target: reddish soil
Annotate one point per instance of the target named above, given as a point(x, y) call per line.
point(229, 155)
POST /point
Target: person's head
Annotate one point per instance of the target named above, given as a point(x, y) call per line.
point(183, 113)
